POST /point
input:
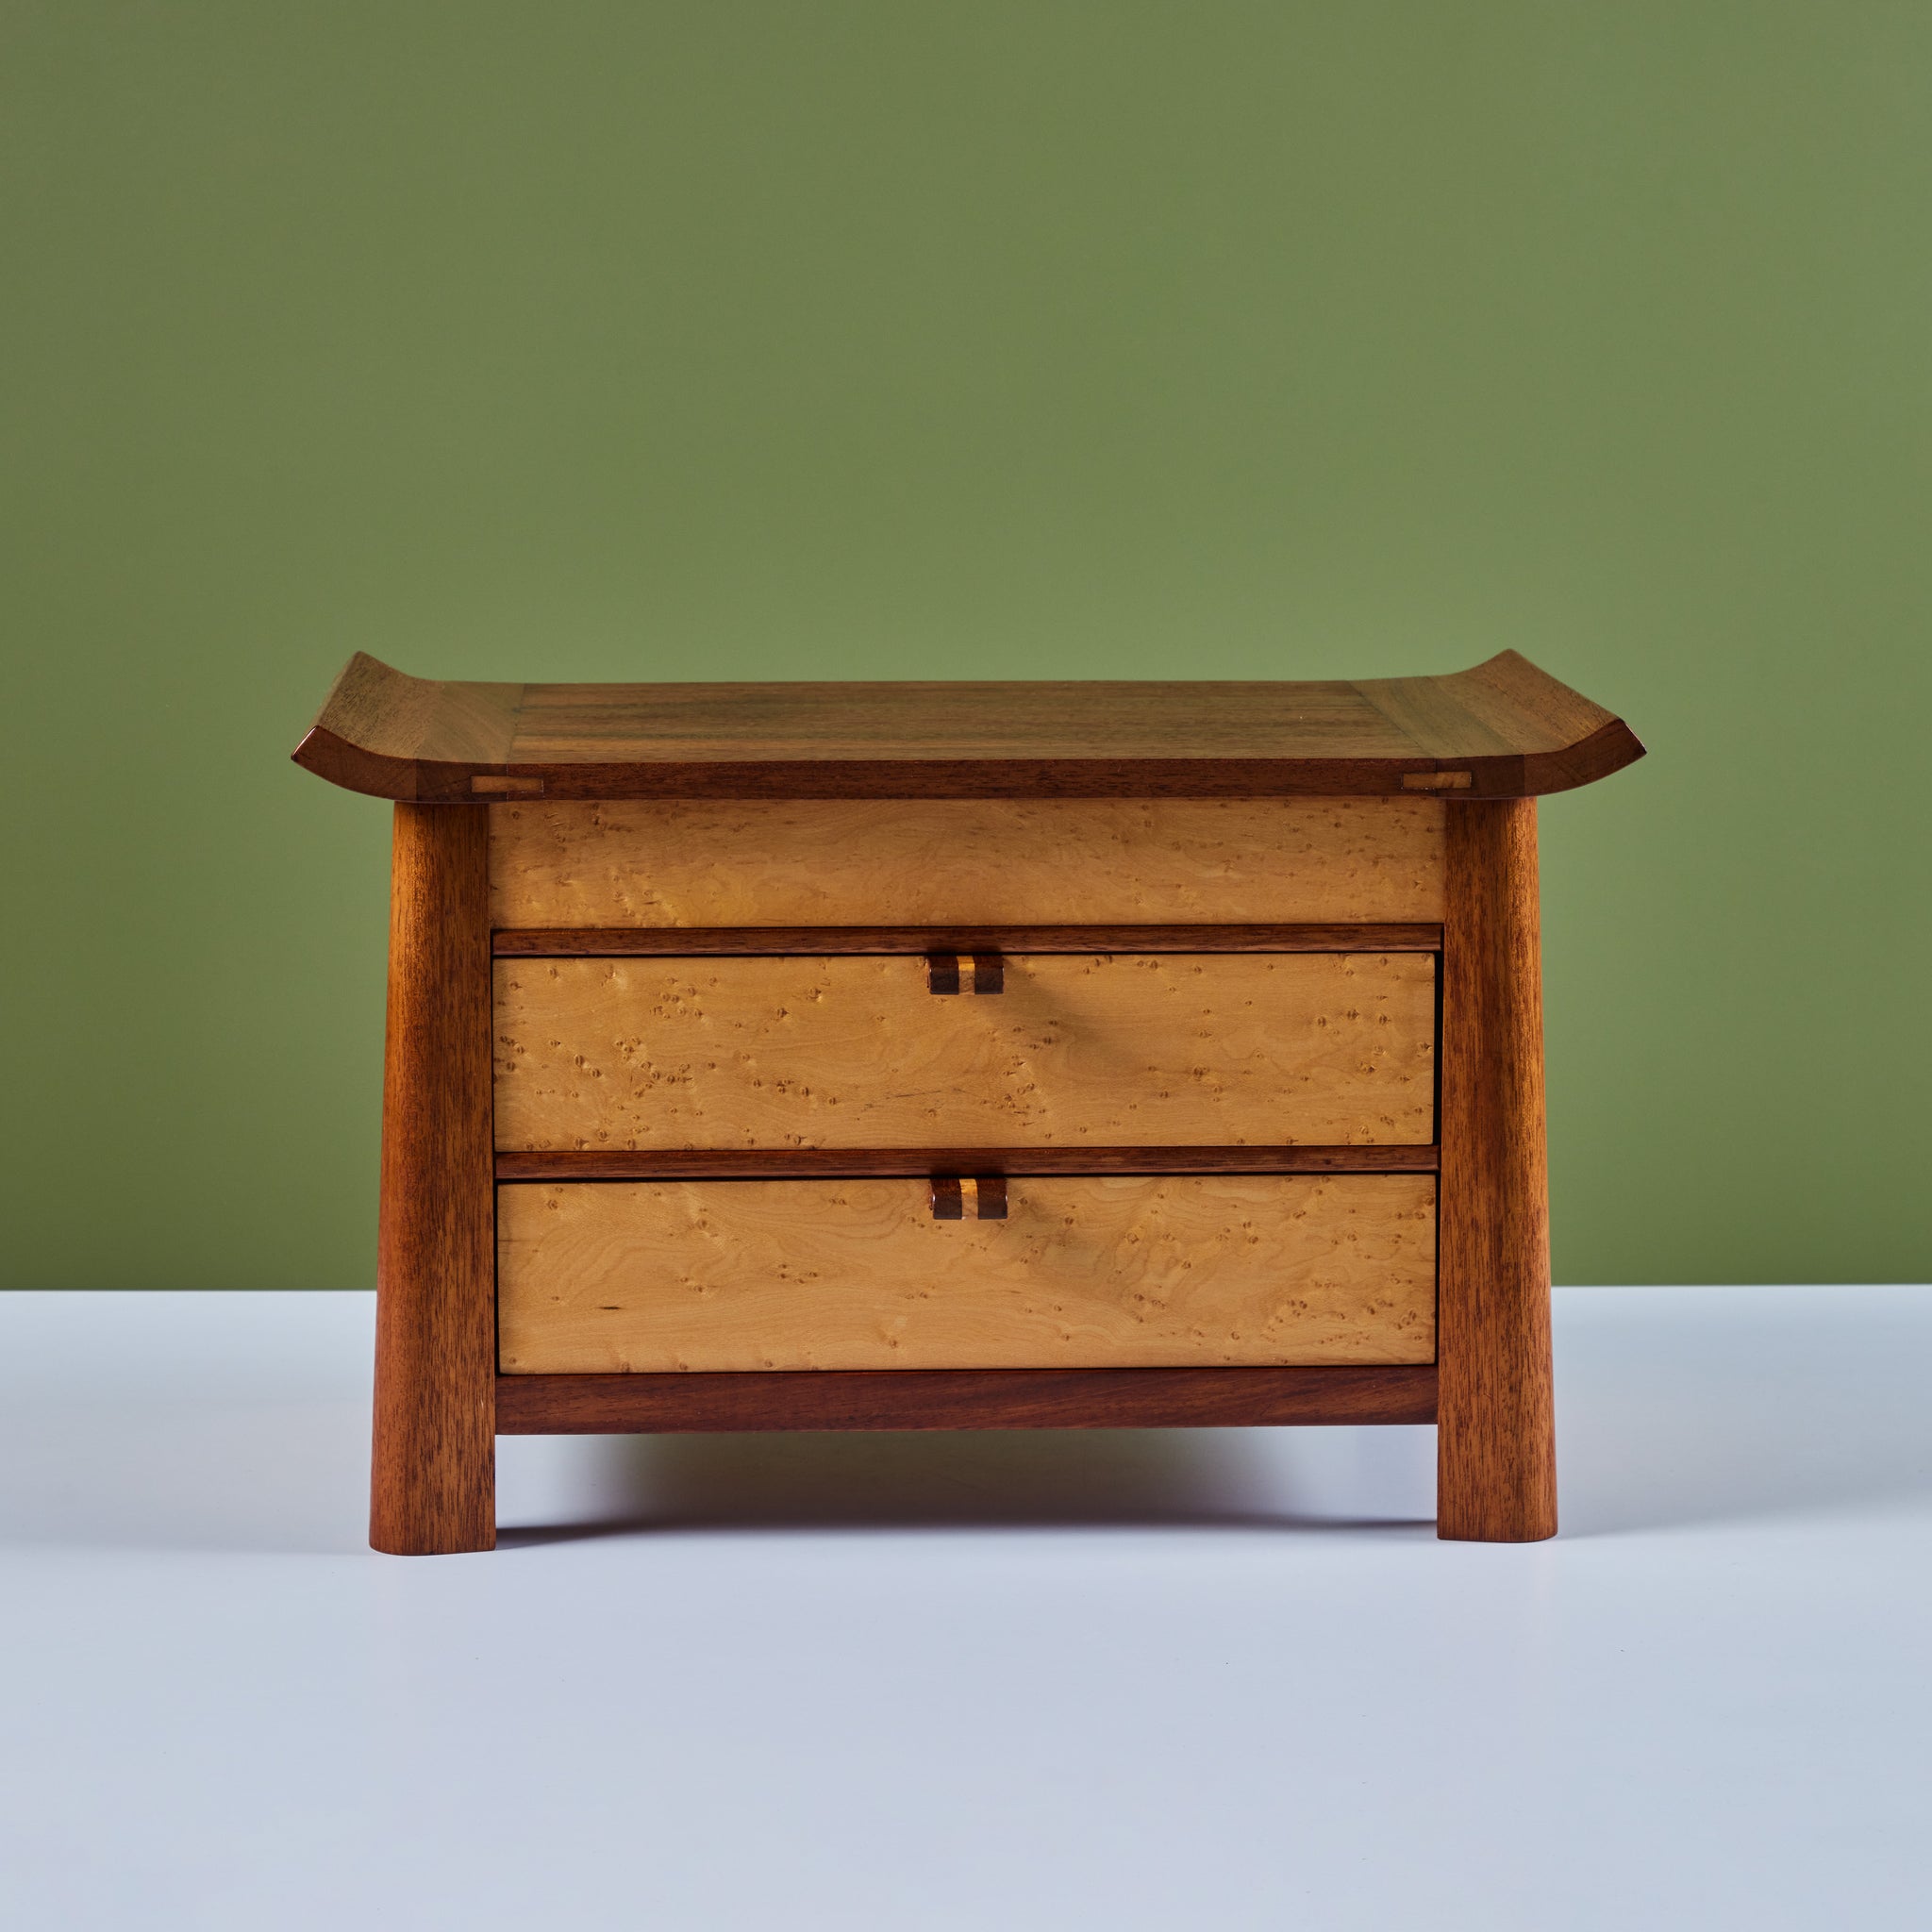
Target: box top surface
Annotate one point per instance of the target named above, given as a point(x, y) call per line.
point(1502, 729)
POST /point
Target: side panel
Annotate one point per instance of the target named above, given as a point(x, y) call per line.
point(433, 1485)
point(1496, 1435)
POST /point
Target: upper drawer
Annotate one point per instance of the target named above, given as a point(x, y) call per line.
point(966, 862)
point(1171, 1050)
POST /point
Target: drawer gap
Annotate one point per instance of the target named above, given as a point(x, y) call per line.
point(590, 942)
point(914, 1163)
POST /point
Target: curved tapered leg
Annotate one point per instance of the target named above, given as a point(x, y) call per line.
point(433, 1484)
point(1497, 1464)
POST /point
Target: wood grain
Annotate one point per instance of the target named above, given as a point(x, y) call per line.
point(969, 1197)
point(432, 1488)
point(964, 1399)
point(681, 1163)
point(1496, 1446)
point(694, 942)
point(1510, 725)
point(1210, 1048)
point(966, 862)
point(1519, 730)
point(986, 1195)
point(378, 730)
point(1140, 1273)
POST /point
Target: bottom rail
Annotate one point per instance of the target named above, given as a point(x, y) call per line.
point(962, 1399)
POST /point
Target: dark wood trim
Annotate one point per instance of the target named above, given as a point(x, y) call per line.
point(694, 942)
point(350, 766)
point(377, 728)
point(989, 1196)
point(1496, 1478)
point(910, 777)
point(830, 1163)
point(962, 1399)
point(1500, 730)
point(432, 1487)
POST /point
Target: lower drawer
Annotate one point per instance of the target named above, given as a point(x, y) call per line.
point(1084, 1272)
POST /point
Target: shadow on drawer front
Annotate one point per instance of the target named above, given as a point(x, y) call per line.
point(1145, 1049)
point(1132, 1272)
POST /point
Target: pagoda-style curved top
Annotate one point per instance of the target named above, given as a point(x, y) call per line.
point(1504, 729)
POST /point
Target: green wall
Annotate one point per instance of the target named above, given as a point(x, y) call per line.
point(842, 340)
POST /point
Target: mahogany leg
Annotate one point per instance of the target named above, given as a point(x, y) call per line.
point(433, 1484)
point(1496, 1465)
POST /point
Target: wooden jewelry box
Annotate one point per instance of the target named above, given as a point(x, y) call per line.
point(961, 1056)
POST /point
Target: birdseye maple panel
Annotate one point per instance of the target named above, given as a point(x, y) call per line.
point(1115, 1271)
point(704, 862)
point(1103, 1050)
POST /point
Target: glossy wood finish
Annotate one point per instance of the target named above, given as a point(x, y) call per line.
point(378, 729)
point(1214, 1048)
point(685, 941)
point(432, 1488)
point(969, 1196)
point(964, 1399)
point(1496, 1444)
point(677, 824)
point(672, 1163)
point(1511, 727)
point(949, 973)
point(1142, 1272)
point(963, 862)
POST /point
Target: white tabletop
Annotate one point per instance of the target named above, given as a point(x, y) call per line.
point(1204, 1679)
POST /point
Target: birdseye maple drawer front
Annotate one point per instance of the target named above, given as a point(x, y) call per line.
point(1088, 861)
point(1091, 1272)
point(1141, 1049)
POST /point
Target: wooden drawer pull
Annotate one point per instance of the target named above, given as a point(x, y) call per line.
point(966, 972)
point(969, 1197)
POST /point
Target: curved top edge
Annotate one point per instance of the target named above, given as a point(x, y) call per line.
point(379, 725)
point(1501, 729)
point(1507, 707)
